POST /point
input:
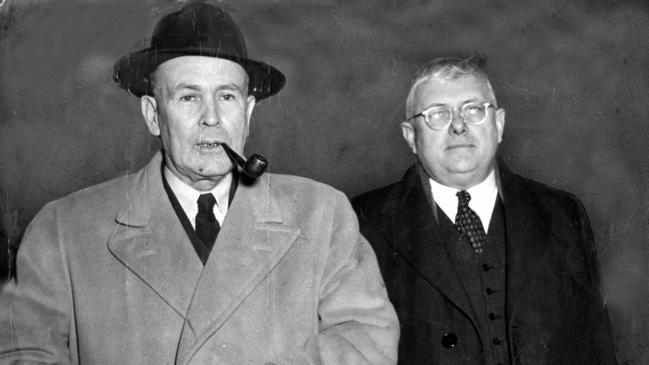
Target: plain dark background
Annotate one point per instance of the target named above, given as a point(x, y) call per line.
point(572, 75)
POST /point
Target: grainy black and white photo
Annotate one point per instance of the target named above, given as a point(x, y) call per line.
point(324, 182)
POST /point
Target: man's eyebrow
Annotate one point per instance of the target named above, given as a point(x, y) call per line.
point(470, 100)
point(195, 87)
point(183, 85)
point(433, 105)
point(230, 86)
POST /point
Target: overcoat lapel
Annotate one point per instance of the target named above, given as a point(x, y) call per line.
point(528, 226)
point(150, 241)
point(416, 237)
point(250, 244)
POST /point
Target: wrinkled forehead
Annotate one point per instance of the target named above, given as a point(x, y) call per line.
point(199, 70)
point(451, 90)
point(201, 64)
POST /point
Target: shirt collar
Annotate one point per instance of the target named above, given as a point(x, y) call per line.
point(188, 196)
point(483, 198)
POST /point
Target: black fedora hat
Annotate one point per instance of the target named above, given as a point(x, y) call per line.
point(197, 29)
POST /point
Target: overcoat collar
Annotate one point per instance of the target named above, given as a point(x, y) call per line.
point(253, 239)
point(415, 218)
point(415, 237)
point(150, 241)
point(528, 225)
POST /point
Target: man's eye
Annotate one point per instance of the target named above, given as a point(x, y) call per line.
point(438, 114)
point(474, 109)
point(228, 97)
point(188, 98)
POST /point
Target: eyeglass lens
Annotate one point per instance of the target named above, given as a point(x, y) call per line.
point(440, 116)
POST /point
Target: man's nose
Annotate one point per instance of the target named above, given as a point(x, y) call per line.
point(210, 115)
point(458, 126)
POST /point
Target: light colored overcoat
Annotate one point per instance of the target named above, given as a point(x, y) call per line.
point(107, 275)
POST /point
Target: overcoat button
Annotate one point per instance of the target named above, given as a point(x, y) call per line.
point(449, 340)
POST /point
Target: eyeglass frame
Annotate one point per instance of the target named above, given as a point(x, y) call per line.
point(486, 104)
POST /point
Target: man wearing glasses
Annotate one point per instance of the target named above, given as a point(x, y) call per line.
point(483, 266)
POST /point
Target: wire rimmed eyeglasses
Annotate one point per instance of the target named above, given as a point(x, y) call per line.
point(439, 117)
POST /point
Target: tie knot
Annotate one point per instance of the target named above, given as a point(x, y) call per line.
point(206, 202)
point(463, 197)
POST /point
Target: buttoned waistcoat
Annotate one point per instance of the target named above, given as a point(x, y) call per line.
point(554, 310)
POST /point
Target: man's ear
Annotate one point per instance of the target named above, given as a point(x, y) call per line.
point(250, 107)
point(149, 108)
point(409, 133)
point(500, 123)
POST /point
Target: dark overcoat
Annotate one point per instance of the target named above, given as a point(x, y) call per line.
point(554, 311)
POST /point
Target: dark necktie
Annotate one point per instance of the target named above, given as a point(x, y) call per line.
point(207, 227)
point(468, 222)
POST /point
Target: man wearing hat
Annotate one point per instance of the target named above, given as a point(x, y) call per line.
point(187, 261)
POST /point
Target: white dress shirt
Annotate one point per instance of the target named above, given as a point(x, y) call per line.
point(188, 196)
point(483, 199)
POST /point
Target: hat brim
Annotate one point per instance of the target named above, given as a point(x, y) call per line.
point(132, 71)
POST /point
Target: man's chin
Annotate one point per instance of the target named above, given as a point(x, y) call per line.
point(213, 173)
point(462, 164)
point(208, 178)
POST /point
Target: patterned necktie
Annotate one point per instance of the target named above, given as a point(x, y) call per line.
point(207, 227)
point(468, 222)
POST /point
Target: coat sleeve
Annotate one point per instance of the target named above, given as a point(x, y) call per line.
point(597, 321)
point(35, 305)
point(357, 322)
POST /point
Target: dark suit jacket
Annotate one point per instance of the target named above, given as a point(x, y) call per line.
point(554, 309)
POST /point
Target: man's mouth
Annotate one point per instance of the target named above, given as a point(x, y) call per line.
point(209, 145)
point(459, 146)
